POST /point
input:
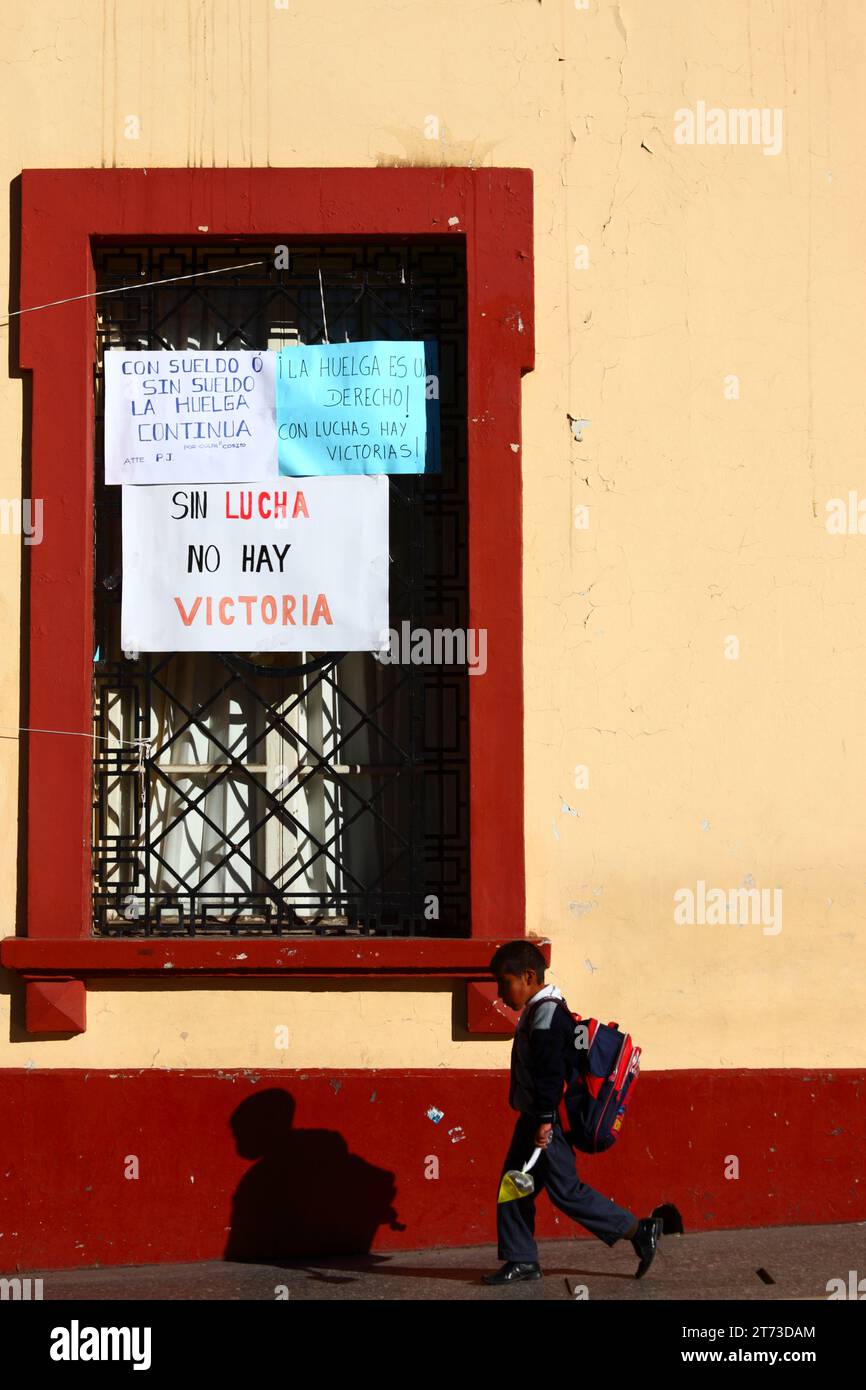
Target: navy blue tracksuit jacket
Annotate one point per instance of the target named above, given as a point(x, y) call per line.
point(539, 1066)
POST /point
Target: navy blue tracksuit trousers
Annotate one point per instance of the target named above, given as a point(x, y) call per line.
point(554, 1170)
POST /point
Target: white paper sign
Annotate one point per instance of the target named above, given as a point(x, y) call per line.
point(297, 566)
point(190, 417)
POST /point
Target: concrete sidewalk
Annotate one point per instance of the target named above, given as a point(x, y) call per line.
point(720, 1264)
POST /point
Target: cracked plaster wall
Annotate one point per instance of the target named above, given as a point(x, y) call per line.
point(706, 515)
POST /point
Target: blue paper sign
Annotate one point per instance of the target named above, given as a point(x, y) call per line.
point(358, 408)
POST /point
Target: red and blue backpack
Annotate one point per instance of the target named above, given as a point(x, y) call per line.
point(599, 1083)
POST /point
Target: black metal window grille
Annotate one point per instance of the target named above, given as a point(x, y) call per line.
point(290, 793)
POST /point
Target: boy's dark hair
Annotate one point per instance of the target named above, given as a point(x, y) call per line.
point(515, 957)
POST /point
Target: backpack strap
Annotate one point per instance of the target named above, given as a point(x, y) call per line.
point(548, 999)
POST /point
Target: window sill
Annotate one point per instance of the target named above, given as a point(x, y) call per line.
point(448, 958)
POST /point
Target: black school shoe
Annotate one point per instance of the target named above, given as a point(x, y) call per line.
point(513, 1272)
point(645, 1242)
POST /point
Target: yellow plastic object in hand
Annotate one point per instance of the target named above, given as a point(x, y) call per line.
point(517, 1183)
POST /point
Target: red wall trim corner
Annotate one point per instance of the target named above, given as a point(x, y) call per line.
point(63, 212)
point(55, 1006)
point(485, 1011)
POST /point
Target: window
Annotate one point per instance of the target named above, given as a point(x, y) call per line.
point(293, 793)
point(75, 224)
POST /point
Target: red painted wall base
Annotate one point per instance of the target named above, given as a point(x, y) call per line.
point(280, 1163)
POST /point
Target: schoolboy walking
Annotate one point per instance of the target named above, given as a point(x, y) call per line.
point(539, 1062)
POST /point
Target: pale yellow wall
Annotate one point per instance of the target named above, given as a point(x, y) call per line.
point(706, 514)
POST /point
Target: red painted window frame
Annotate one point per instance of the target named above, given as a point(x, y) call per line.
point(63, 211)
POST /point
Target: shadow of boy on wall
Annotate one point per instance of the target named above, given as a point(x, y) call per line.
point(305, 1194)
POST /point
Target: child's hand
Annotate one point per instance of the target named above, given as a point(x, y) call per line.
point(543, 1136)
